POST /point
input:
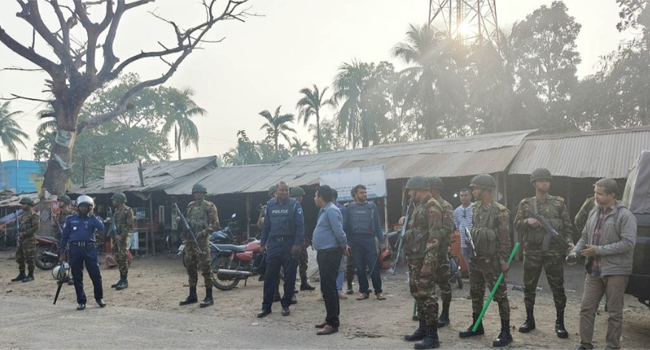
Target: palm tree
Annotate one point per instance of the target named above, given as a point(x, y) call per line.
point(277, 125)
point(298, 147)
point(310, 104)
point(10, 132)
point(181, 108)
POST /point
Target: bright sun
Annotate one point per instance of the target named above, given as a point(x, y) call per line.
point(465, 29)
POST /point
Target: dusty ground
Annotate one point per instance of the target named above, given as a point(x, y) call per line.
point(158, 283)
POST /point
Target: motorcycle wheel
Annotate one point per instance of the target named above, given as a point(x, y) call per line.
point(220, 263)
point(43, 261)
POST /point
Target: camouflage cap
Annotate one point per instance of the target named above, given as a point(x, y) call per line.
point(436, 183)
point(271, 191)
point(296, 192)
point(540, 173)
point(485, 181)
point(119, 197)
point(418, 183)
point(27, 200)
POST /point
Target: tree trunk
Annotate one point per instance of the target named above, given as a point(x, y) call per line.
point(177, 142)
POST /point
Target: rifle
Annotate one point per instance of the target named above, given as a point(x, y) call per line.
point(550, 231)
point(58, 225)
point(112, 231)
point(188, 228)
point(17, 228)
point(468, 236)
point(400, 242)
point(63, 272)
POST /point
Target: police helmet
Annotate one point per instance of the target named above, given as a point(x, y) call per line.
point(271, 191)
point(119, 197)
point(27, 200)
point(436, 183)
point(64, 198)
point(83, 199)
point(62, 271)
point(539, 174)
point(296, 192)
point(199, 188)
point(485, 181)
point(418, 183)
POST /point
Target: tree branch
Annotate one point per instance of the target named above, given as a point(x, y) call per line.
point(22, 69)
point(28, 54)
point(65, 29)
point(18, 97)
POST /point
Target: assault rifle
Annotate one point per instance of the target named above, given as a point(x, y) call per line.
point(112, 231)
point(400, 242)
point(17, 228)
point(550, 231)
point(468, 236)
point(188, 229)
point(58, 225)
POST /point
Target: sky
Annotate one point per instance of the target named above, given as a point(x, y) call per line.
point(264, 62)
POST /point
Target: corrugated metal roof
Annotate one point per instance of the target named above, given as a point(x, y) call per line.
point(596, 154)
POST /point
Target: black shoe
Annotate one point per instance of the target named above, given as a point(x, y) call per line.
point(469, 332)
point(559, 325)
point(286, 311)
point(208, 301)
point(419, 333)
point(443, 320)
point(191, 299)
point(430, 340)
point(21, 276)
point(263, 313)
point(504, 337)
point(81, 307)
point(116, 284)
point(294, 300)
point(349, 291)
point(29, 278)
point(122, 285)
point(101, 302)
point(305, 286)
point(529, 324)
point(581, 347)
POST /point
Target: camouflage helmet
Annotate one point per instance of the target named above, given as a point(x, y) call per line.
point(199, 188)
point(119, 197)
point(485, 181)
point(418, 183)
point(64, 198)
point(271, 191)
point(27, 200)
point(436, 183)
point(540, 173)
point(296, 192)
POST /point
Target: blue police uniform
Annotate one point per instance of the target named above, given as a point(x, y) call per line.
point(284, 227)
point(78, 239)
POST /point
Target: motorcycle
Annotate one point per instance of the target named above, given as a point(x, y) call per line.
point(233, 263)
point(47, 252)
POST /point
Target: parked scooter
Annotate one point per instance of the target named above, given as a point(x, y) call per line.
point(47, 252)
point(233, 263)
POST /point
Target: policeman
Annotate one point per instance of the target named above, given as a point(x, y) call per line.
point(491, 235)
point(537, 255)
point(260, 224)
point(298, 193)
point(28, 225)
point(443, 274)
point(123, 217)
point(79, 240)
point(203, 218)
point(422, 241)
point(282, 237)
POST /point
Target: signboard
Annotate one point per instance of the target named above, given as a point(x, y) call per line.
point(134, 242)
point(343, 180)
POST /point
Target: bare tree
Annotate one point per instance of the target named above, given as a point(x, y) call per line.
point(77, 72)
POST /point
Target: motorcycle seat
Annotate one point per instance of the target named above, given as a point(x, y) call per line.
point(231, 247)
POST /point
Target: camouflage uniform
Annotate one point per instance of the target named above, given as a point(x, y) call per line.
point(582, 216)
point(124, 222)
point(63, 214)
point(535, 258)
point(201, 217)
point(491, 235)
point(304, 256)
point(443, 274)
point(28, 222)
point(421, 246)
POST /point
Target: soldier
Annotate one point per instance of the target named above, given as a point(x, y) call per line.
point(123, 217)
point(491, 235)
point(583, 214)
point(26, 252)
point(443, 274)
point(298, 193)
point(536, 254)
point(421, 246)
point(203, 218)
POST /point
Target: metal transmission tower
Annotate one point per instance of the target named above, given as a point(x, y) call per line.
point(467, 21)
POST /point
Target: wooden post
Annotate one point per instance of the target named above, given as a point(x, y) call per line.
point(153, 241)
point(386, 213)
point(248, 216)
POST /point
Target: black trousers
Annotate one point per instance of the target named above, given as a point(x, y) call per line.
point(80, 256)
point(279, 256)
point(328, 264)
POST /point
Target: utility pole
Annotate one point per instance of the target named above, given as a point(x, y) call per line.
point(466, 21)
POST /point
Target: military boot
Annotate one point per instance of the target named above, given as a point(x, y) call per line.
point(529, 324)
point(419, 333)
point(469, 332)
point(123, 284)
point(208, 301)
point(430, 340)
point(504, 337)
point(304, 285)
point(294, 299)
point(559, 325)
point(118, 282)
point(191, 299)
point(30, 276)
point(21, 276)
point(443, 320)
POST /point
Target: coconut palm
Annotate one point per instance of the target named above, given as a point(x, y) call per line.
point(310, 105)
point(181, 108)
point(11, 134)
point(277, 125)
point(298, 147)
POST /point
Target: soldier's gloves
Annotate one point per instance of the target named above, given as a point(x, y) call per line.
point(295, 251)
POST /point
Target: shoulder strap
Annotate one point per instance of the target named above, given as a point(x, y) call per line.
point(534, 204)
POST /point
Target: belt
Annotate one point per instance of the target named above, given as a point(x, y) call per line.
point(82, 244)
point(330, 250)
point(280, 239)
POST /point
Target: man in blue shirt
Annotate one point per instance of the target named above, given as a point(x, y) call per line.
point(283, 233)
point(331, 244)
point(362, 225)
point(463, 220)
point(79, 239)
